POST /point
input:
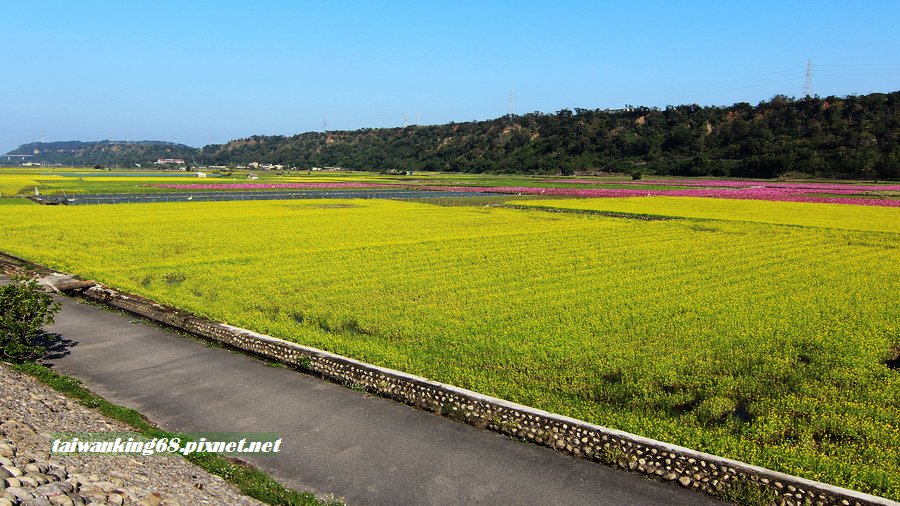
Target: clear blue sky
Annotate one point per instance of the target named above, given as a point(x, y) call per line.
point(207, 72)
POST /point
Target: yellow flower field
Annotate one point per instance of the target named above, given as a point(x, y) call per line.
point(741, 334)
point(870, 218)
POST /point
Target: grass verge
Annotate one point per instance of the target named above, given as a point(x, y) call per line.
point(248, 479)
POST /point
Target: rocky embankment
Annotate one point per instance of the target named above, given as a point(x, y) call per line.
point(30, 411)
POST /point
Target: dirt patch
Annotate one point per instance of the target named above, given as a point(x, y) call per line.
point(893, 360)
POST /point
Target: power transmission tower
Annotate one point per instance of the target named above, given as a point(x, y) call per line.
point(807, 84)
point(325, 124)
point(509, 111)
point(418, 118)
point(405, 120)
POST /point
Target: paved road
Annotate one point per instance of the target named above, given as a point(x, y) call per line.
point(367, 450)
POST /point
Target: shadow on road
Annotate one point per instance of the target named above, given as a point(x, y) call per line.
point(56, 346)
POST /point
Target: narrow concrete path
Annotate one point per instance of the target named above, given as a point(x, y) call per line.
point(365, 449)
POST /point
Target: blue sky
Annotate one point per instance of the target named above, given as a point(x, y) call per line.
point(207, 72)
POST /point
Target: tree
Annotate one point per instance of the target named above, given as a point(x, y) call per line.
point(24, 310)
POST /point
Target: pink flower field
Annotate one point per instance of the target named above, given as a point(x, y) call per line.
point(747, 190)
point(730, 183)
point(270, 186)
point(851, 188)
point(748, 193)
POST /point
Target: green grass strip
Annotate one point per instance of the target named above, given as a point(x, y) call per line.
point(248, 479)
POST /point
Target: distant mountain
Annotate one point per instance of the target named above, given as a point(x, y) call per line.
point(122, 153)
point(846, 137)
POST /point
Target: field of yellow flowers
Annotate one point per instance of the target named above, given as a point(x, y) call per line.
point(763, 334)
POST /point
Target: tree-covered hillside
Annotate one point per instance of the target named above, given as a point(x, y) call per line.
point(122, 153)
point(846, 137)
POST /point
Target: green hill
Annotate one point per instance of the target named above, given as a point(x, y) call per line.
point(837, 137)
point(122, 153)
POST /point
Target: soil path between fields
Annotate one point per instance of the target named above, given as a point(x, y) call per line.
point(368, 450)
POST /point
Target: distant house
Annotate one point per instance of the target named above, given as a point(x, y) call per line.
point(252, 176)
point(253, 165)
point(201, 174)
point(174, 161)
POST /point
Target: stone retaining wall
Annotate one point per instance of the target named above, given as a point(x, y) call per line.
point(688, 468)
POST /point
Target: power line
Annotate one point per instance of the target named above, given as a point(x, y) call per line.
point(780, 74)
point(704, 90)
point(715, 87)
point(774, 81)
point(857, 65)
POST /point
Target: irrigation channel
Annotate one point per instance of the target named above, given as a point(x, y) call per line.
point(130, 198)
